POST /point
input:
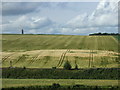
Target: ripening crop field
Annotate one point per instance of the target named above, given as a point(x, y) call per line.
point(47, 51)
point(57, 58)
point(42, 42)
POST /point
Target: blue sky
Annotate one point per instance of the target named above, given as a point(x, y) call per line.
point(74, 18)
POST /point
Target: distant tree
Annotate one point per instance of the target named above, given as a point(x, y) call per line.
point(105, 33)
point(67, 65)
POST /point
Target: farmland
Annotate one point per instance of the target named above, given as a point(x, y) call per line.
point(45, 51)
point(38, 58)
point(42, 42)
point(45, 82)
point(52, 58)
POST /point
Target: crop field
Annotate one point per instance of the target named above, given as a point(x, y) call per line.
point(45, 82)
point(29, 55)
point(56, 58)
point(47, 51)
point(42, 42)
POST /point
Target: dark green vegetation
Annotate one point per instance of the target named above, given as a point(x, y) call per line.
point(37, 42)
point(67, 65)
point(116, 34)
point(59, 87)
point(25, 73)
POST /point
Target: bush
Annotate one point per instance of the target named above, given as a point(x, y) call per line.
point(24, 67)
point(67, 65)
point(76, 67)
point(53, 67)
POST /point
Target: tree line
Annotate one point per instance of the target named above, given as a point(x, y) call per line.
point(104, 34)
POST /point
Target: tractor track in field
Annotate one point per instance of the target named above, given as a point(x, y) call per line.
point(32, 59)
point(6, 57)
point(18, 60)
point(62, 58)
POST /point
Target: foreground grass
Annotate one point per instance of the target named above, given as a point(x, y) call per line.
point(7, 83)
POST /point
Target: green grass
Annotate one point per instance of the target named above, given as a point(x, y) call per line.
point(38, 42)
point(45, 82)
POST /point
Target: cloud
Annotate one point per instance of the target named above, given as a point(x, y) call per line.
point(28, 23)
point(41, 22)
point(20, 8)
point(78, 21)
point(104, 17)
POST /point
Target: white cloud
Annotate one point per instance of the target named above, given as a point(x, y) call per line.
point(28, 23)
point(104, 16)
point(41, 22)
point(79, 21)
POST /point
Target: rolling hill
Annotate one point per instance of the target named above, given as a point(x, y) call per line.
point(47, 51)
point(41, 42)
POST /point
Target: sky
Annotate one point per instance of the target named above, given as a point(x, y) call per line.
point(69, 18)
